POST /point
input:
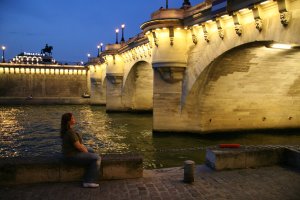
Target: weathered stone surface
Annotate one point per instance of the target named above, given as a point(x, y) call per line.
point(225, 159)
point(292, 157)
point(122, 166)
point(54, 169)
point(42, 85)
point(247, 157)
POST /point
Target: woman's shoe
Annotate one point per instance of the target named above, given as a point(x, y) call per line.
point(90, 185)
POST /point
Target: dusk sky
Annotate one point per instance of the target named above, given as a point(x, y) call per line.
point(74, 28)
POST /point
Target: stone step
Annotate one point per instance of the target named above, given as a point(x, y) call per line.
point(53, 169)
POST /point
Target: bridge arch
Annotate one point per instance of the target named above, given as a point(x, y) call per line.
point(137, 90)
point(250, 86)
point(202, 54)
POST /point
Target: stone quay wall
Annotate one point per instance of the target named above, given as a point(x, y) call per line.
point(43, 83)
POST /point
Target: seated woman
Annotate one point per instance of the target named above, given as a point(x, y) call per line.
point(75, 152)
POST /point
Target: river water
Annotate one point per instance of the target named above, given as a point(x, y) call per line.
point(34, 131)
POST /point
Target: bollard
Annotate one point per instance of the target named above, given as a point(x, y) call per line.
point(189, 168)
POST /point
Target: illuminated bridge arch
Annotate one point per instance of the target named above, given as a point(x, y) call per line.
point(137, 92)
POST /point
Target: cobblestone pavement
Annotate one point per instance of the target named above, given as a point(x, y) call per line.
point(262, 183)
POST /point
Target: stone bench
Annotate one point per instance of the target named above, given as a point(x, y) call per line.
point(247, 157)
point(54, 169)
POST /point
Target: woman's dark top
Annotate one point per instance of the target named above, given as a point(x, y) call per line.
point(68, 140)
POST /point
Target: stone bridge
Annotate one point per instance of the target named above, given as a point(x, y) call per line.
point(216, 66)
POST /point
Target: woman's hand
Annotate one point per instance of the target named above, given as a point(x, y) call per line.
point(80, 147)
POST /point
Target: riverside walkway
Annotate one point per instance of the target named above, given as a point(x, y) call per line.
point(274, 182)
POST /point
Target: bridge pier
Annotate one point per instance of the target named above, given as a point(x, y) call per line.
point(114, 92)
point(97, 84)
point(167, 91)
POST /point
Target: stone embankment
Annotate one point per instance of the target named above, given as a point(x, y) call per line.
point(127, 166)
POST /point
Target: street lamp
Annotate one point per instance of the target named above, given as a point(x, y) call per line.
point(101, 45)
point(88, 55)
point(167, 4)
point(117, 31)
point(3, 50)
point(98, 47)
point(122, 39)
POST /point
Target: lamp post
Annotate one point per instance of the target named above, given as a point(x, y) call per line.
point(3, 50)
point(122, 39)
point(98, 47)
point(101, 45)
point(88, 55)
point(167, 4)
point(117, 32)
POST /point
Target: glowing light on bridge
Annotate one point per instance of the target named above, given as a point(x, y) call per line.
point(265, 2)
point(224, 16)
point(243, 10)
point(281, 46)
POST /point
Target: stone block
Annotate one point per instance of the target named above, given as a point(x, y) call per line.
point(246, 157)
point(220, 159)
point(21, 170)
point(37, 173)
point(122, 166)
point(291, 157)
point(70, 173)
point(54, 169)
point(263, 157)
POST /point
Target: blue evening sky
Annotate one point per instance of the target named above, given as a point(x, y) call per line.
point(73, 27)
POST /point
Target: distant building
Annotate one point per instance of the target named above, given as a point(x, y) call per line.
point(33, 58)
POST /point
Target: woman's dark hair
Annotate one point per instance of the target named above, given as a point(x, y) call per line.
point(65, 125)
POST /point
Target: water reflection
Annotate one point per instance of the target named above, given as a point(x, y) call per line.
point(34, 131)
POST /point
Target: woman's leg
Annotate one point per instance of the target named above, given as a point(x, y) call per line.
point(92, 161)
point(93, 168)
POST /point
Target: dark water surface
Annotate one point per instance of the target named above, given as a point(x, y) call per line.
point(34, 131)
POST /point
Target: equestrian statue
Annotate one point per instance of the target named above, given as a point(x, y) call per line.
point(47, 49)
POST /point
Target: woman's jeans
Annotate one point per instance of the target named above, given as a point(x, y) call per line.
point(91, 160)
